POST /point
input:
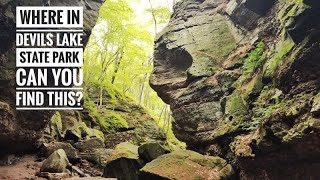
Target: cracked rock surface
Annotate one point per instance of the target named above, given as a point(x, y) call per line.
point(242, 80)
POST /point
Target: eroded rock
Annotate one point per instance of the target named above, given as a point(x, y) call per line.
point(255, 97)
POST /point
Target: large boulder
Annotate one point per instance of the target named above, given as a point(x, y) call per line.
point(57, 162)
point(187, 165)
point(190, 48)
point(124, 163)
point(150, 151)
point(89, 144)
point(48, 148)
point(242, 81)
point(98, 156)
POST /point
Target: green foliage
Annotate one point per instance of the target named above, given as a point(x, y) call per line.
point(292, 8)
point(283, 48)
point(253, 59)
point(113, 122)
point(56, 120)
point(118, 60)
point(250, 63)
point(161, 15)
point(173, 142)
point(109, 121)
point(265, 106)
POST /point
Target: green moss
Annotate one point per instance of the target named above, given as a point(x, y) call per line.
point(189, 165)
point(301, 129)
point(113, 122)
point(254, 86)
point(236, 114)
point(264, 107)
point(236, 105)
point(126, 150)
point(86, 132)
point(291, 9)
point(251, 62)
point(282, 49)
point(56, 120)
point(109, 121)
point(56, 125)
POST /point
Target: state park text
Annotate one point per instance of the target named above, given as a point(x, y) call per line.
point(49, 58)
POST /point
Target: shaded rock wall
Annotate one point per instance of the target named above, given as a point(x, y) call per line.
point(19, 130)
point(242, 79)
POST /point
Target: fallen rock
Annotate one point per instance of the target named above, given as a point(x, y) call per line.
point(124, 163)
point(48, 148)
point(186, 165)
point(151, 151)
point(52, 176)
point(97, 156)
point(72, 135)
point(75, 169)
point(90, 144)
point(57, 162)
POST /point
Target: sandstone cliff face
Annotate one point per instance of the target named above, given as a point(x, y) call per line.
point(19, 130)
point(242, 79)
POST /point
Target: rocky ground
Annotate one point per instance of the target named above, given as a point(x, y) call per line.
point(16, 168)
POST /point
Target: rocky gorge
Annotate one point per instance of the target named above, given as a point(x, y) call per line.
point(241, 78)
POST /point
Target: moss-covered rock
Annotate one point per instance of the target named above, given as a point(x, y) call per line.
point(56, 125)
point(187, 165)
point(264, 115)
point(120, 118)
point(89, 144)
point(97, 156)
point(124, 162)
point(69, 119)
point(150, 151)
